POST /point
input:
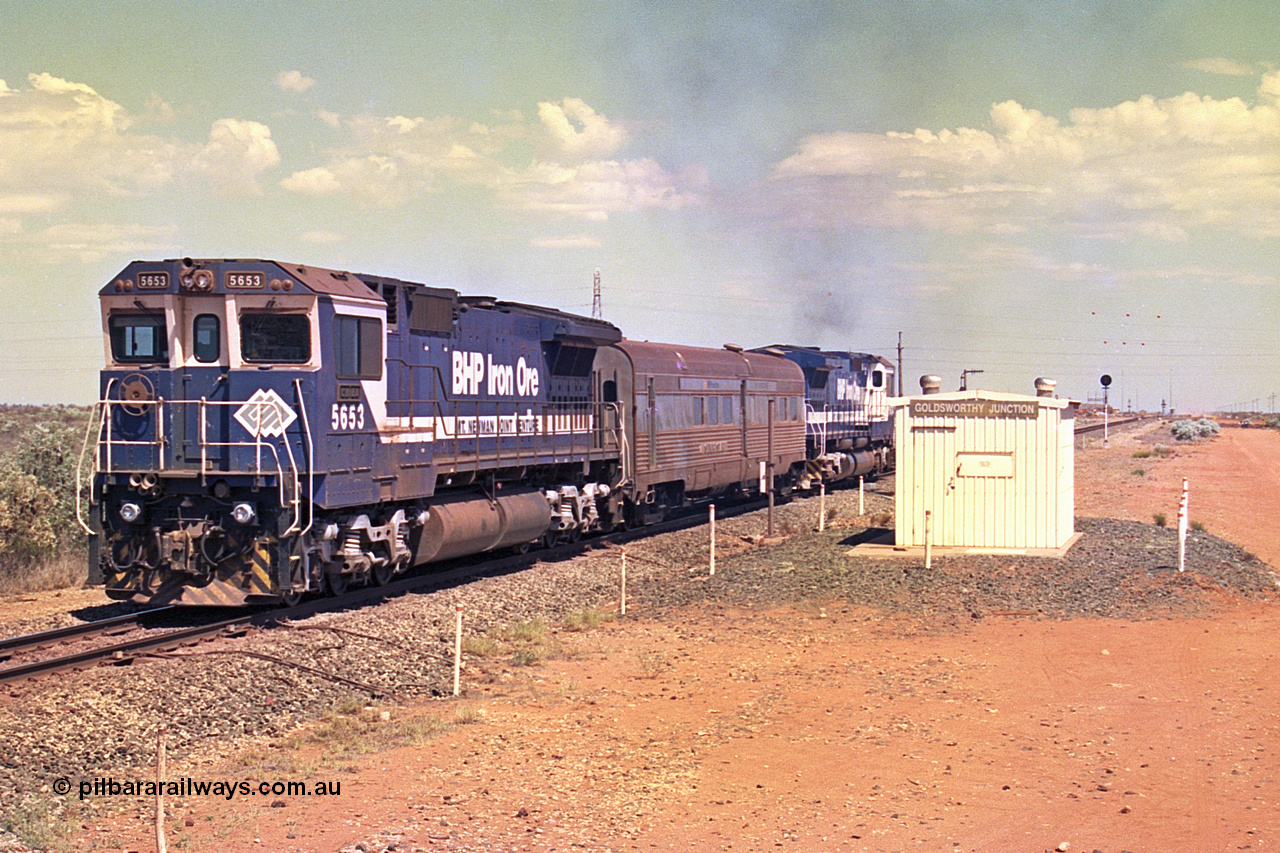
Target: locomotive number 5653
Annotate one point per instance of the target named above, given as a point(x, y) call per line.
point(347, 416)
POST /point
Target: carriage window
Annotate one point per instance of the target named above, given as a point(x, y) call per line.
point(139, 339)
point(727, 407)
point(713, 410)
point(206, 338)
point(357, 346)
point(279, 338)
point(697, 410)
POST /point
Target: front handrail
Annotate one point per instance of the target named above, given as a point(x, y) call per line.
point(311, 459)
point(266, 456)
point(96, 418)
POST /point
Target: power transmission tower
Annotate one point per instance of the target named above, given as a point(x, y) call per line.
point(597, 309)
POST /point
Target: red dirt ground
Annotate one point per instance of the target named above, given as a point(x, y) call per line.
point(827, 728)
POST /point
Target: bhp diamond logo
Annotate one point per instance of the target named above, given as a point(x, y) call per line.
point(265, 414)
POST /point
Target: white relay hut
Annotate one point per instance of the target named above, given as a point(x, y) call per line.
point(995, 471)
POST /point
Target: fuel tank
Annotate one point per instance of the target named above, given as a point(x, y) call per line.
point(476, 524)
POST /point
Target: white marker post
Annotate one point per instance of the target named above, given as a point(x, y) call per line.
point(623, 607)
point(457, 655)
point(160, 842)
point(862, 507)
point(713, 539)
point(928, 539)
point(1182, 527)
point(822, 507)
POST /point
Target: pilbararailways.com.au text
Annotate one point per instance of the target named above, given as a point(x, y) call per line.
point(188, 787)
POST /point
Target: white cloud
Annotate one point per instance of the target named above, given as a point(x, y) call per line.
point(63, 143)
point(294, 82)
point(1220, 65)
point(572, 131)
point(1158, 168)
point(1269, 88)
point(374, 180)
point(594, 190)
point(318, 181)
point(559, 165)
point(578, 241)
point(89, 242)
point(332, 119)
point(321, 237)
point(238, 152)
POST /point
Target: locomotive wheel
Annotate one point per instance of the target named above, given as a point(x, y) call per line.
point(336, 583)
point(382, 574)
point(291, 598)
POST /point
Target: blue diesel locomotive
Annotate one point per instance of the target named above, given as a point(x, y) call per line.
point(848, 425)
point(268, 430)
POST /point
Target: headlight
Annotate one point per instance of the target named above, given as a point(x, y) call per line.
point(244, 513)
point(130, 512)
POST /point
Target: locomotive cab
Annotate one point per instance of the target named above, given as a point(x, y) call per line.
point(201, 448)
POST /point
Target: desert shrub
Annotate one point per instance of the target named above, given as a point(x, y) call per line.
point(26, 516)
point(41, 544)
point(1194, 430)
point(49, 453)
point(1160, 519)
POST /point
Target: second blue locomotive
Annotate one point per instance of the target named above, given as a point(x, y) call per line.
point(849, 430)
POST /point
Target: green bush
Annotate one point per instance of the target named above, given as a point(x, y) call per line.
point(27, 511)
point(41, 544)
point(49, 453)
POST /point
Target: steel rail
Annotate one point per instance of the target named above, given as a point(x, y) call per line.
point(10, 646)
point(1112, 425)
point(129, 650)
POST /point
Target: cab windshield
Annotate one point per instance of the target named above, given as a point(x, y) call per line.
point(275, 338)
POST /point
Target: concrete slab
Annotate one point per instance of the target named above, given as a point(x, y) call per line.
point(882, 547)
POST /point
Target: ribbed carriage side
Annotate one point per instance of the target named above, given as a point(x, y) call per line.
point(708, 420)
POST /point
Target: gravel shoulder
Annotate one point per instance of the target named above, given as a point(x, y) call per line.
point(800, 696)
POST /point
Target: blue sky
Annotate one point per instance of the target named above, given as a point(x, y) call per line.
point(1025, 188)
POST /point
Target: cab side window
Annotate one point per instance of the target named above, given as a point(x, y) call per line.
point(357, 346)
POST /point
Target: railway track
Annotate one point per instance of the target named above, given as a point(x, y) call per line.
point(1098, 427)
point(98, 644)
